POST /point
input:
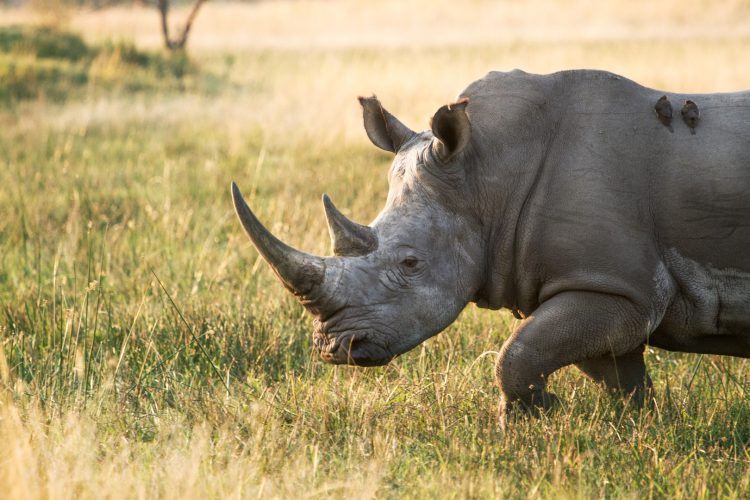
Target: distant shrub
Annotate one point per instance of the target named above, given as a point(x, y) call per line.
point(36, 61)
point(175, 64)
point(43, 42)
point(25, 78)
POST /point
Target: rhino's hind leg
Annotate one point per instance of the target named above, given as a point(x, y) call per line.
point(623, 375)
point(568, 328)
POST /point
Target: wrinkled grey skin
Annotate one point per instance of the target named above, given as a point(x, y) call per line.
point(561, 197)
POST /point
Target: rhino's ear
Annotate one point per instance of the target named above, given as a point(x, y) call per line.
point(451, 129)
point(383, 129)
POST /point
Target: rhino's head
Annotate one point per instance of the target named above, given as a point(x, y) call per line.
point(404, 278)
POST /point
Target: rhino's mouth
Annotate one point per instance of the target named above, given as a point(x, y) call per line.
point(351, 349)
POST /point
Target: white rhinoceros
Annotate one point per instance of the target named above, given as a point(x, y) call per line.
point(578, 200)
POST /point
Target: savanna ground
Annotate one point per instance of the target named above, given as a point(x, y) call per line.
point(146, 350)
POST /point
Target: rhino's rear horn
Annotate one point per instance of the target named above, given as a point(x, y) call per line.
point(348, 237)
point(300, 272)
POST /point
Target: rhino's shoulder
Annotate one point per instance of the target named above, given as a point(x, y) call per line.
point(518, 80)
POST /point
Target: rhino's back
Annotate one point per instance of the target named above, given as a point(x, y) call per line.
point(694, 192)
point(625, 200)
point(614, 159)
point(700, 183)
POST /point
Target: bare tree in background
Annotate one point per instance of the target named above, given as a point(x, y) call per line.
point(179, 42)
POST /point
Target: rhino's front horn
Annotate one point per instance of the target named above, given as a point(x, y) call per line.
point(348, 237)
point(299, 272)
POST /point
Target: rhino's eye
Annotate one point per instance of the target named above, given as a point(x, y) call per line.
point(410, 262)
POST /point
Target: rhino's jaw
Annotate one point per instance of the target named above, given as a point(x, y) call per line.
point(351, 349)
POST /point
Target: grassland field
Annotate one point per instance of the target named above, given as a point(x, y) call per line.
point(147, 351)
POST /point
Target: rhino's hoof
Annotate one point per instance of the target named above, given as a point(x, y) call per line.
point(638, 397)
point(533, 405)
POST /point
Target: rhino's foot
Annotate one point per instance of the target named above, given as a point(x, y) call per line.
point(640, 397)
point(533, 404)
point(565, 329)
point(624, 376)
point(637, 397)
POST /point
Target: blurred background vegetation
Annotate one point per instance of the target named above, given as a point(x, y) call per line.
point(43, 61)
point(145, 348)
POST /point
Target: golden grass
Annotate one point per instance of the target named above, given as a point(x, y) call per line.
point(312, 95)
point(309, 24)
point(74, 456)
point(414, 55)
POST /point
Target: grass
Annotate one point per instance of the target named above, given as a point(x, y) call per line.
point(40, 61)
point(146, 350)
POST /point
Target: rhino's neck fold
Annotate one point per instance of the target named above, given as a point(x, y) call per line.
point(509, 227)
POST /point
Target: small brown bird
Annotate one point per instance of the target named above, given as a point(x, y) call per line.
point(663, 110)
point(690, 115)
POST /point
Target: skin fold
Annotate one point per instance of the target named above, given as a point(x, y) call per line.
point(568, 198)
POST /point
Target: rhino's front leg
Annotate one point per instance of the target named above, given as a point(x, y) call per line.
point(623, 375)
point(568, 328)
